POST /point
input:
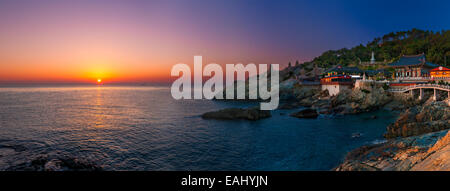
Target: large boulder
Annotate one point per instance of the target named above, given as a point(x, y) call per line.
point(286, 89)
point(291, 104)
point(342, 98)
point(431, 117)
point(370, 99)
point(359, 100)
point(295, 95)
point(301, 92)
point(238, 113)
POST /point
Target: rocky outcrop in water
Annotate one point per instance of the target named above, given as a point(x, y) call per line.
point(403, 101)
point(417, 120)
point(360, 100)
point(416, 141)
point(55, 163)
point(429, 152)
point(306, 113)
point(301, 92)
point(348, 101)
point(20, 155)
point(238, 113)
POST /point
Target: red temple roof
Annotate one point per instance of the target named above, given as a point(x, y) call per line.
point(440, 68)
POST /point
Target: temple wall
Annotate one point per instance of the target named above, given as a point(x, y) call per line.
point(335, 89)
point(369, 84)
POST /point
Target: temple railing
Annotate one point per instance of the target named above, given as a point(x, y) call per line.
point(423, 78)
point(374, 81)
point(419, 86)
point(413, 78)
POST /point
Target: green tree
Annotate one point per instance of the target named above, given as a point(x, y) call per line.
point(390, 47)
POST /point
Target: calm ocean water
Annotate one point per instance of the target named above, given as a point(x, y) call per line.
point(143, 128)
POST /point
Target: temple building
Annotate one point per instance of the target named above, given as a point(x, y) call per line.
point(378, 74)
point(339, 70)
point(339, 78)
point(412, 66)
point(336, 83)
point(440, 73)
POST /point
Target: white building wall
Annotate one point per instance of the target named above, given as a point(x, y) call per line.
point(334, 89)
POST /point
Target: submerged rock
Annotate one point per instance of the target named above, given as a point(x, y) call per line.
point(306, 113)
point(56, 163)
point(238, 113)
point(289, 105)
point(356, 135)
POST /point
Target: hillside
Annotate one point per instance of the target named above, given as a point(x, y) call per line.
point(388, 48)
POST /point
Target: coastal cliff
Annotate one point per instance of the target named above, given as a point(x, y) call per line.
point(429, 152)
point(421, 119)
point(418, 140)
point(347, 102)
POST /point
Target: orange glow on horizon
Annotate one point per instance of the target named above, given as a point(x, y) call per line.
point(84, 72)
point(49, 48)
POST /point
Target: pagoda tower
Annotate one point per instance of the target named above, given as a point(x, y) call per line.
point(372, 60)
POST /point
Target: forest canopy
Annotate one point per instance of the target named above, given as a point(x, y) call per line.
point(390, 47)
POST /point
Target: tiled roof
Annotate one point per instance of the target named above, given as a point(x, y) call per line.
point(440, 68)
point(431, 65)
point(374, 72)
point(345, 69)
point(412, 60)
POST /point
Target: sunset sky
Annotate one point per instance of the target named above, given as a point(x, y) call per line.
point(137, 41)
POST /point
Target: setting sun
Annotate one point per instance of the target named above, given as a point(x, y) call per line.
point(99, 80)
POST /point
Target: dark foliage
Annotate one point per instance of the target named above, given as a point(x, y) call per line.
point(389, 48)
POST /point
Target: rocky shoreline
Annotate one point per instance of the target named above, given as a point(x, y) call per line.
point(419, 122)
point(421, 119)
point(418, 140)
point(55, 163)
point(15, 155)
point(427, 152)
point(417, 118)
